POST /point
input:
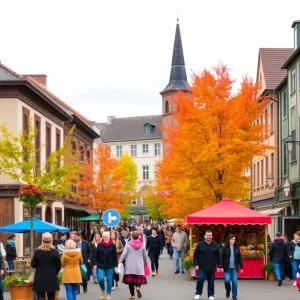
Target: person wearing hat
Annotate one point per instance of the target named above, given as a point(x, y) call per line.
point(47, 264)
point(71, 259)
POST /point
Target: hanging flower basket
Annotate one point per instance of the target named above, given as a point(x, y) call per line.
point(31, 195)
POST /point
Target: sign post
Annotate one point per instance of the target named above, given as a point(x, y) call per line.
point(111, 218)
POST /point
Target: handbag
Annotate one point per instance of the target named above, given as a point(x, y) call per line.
point(83, 270)
point(30, 279)
point(120, 269)
point(146, 270)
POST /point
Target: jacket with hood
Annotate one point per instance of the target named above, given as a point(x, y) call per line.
point(70, 261)
point(11, 251)
point(135, 258)
point(291, 248)
point(278, 251)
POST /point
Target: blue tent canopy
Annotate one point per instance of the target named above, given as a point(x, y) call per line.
point(38, 226)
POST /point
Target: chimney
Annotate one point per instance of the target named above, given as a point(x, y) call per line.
point(296, 26)
point(40, 78)
point(110, 119)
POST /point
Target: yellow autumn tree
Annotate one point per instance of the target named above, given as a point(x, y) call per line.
point(213, 141)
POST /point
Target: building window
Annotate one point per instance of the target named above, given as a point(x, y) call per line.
point(272, 163)
point(88, 156)
point(133, 202)
point(145, 149)
point(73, 186)
point(58, 144)
point(119, 151)
point(144, 201)
point(37, 143)
point(25, 129)
point(254, 176)
point(285, 158)
point(81, 155)
point(293, 80)
point(267, 165)
point(133, 150)
point(266, 121)
point(284, 104)
point(157, 149)
point(148, 128)
point(73, 148)
point(257, 179)
point(167, 109)
point(48, 143)
point(272, 116)
point(145, 172)
point(293, 132)
point(262, 173)
point(155, 170)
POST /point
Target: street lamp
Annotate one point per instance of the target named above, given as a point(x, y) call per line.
point(270, 180)
point(289, 141)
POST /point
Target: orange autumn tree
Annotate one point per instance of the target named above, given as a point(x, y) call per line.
point(213, 141)
point(101, 185)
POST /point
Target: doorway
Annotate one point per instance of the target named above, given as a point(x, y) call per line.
point(290, 225)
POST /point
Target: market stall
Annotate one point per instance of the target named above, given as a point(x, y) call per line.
point(249, 226)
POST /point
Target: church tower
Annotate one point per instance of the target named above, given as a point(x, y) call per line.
point(177, 81)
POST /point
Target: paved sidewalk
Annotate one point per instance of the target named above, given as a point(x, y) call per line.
point(170, 286)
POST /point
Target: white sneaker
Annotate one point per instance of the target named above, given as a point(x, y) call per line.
point(294, 284)
point(197, 297)
point(211, 298)
point(113, 288)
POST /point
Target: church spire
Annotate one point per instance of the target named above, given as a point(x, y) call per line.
point(178, 78)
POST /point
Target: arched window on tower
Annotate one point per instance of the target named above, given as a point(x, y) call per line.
point(73, 148)
point(167, 107)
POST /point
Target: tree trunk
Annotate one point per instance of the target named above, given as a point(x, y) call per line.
point(31, 231)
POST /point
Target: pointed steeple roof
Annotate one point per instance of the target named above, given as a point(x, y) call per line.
point(178, 78)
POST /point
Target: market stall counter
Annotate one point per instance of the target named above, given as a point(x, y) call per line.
point(249, 227)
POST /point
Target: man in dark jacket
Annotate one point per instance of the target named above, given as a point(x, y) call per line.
point(86, 252)
point(206, 258)
point(2, 269)
point(278, 255)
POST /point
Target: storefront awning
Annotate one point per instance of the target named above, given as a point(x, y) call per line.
point(273, 211)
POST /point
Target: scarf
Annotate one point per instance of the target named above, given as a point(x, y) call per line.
point(106, 244)
point(12, 243)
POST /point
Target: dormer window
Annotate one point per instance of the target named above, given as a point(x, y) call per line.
point(148, 128)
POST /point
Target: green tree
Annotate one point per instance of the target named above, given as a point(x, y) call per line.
point(156, 207)
point(18, 160)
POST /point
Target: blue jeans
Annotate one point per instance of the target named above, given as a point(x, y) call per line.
point(101, 274)
point(94, 274)
point(1, 289)
point(295, 265)
point(11, 265)
point(202, 275)
point(71, 289)
point(231, 275)
point(170, 249)
point(179, 260)
point(279, 270)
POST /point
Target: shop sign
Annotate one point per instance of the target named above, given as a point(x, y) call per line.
point(286, 187)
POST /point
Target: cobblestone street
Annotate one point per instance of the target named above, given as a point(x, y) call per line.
point(170, 286)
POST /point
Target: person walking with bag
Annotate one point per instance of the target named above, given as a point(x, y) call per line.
point(106, 263)
point(71, 259)
point(115, 239)
point(206, 258)
point(154, 246)
point(135, 258)
point(231, 260)
point(47, 264)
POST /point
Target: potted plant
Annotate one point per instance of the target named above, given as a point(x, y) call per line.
point(269, 268)
point(19, 288)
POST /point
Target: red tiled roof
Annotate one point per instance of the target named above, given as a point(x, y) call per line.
point(40, 86)
point(272, 60)
point(11, 71)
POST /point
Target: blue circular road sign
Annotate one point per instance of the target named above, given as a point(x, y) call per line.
point(111, 218)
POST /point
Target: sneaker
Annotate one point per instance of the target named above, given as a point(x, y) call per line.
point(85, 289)
point(211, 298)
point(279, 282)
point(177, 272)
point(182, 272)
point(294, 284)
point(117, 284)
point(96, 282)
point(234, 297)
point(228, 294)
point(197, 297)
point(113, 288)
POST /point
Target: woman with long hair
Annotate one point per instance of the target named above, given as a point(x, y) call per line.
point(106, 262)
point(168, 236)
point(231, 260)
point(47, 264)
point(71, 259)
point(94, 245)
point(115, 239)
point(135, 258)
